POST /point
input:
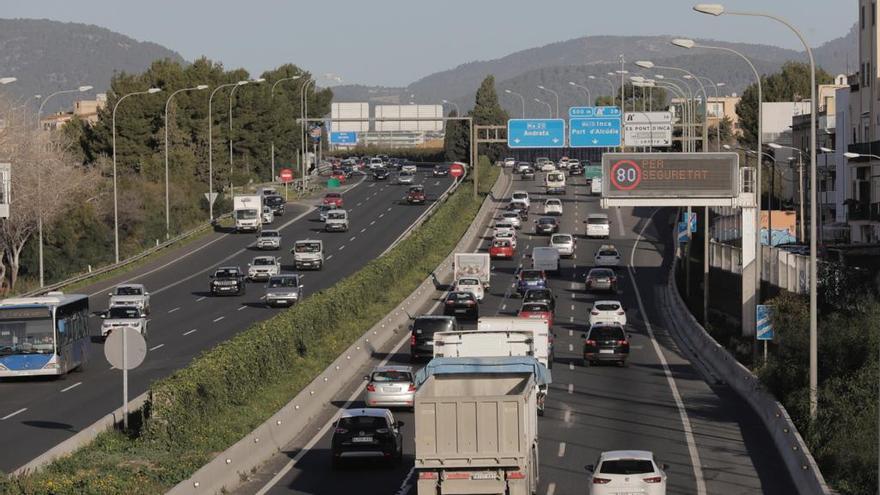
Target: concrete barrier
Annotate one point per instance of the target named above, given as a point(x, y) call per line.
point(725, 368)
point(229, 469)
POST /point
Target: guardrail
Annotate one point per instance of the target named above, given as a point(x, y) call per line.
point(789, 444)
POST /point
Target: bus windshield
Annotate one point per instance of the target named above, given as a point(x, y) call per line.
point(26, 331)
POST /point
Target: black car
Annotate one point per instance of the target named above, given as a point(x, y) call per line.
point(381, 174)
point(422, 330)
point(527, 174)
point(440, 171)
point(461, 305)
point(576, 169)
point(228, 280)
point(606, 343)
point(276, 203)
point(366, 433)
point(540, 296)
point(546, 225)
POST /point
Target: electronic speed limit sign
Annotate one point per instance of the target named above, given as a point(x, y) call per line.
point(625, 175)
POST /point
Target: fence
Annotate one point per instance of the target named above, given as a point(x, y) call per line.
point(780, 268)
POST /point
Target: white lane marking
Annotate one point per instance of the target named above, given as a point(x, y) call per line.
point(503, 307)
point(572, 296)
point(342, 247)
point(405, 486)
point(572, 306)
point(193, 330)
point(682, 412)
point(363, 230)
point(571, 347)
point(328, 257)
point(551, 489)
point(323, 431)
point(218, 318)
point(173, 310)
point(570, 333)
point(359, 204)
point(571, 388)
point(381, 215)
point(561, 451)
point(567, 416)
point(571, 319)
point(77, 384)
point(241, 308)
point(23, 409)
point(620, 223)
point(201, 298)
point(389, 209)
point(352, 238)
point(156, 347)
point(373, 222)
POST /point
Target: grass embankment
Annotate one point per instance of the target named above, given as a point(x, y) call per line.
point(229, 390)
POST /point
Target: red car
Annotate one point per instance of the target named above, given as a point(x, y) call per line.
point(416, 195)
point(338, 175)
point(537, 310)
point(501, 248)
point(333, 199)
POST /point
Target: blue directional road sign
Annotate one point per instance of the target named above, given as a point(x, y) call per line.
point(692, 221)
point(682, 232)
point(764, 325)
point(343, 138)
point(535, 133)
point(594, 127)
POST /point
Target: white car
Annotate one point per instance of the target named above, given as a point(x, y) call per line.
point(509, 162)
point(553, 207)
point(607, 312)
point(503, 226)
point(512, 217)
point(376, 163)
point(548, 167)
point(607, 256)
point(472, 285)
point(268, 215)
point(406, 177)
point(598, 225)
point(130, 295)
point(596, 186)
point(521, 166)
point(521, 196)
point(508, 236)
point(627, 471)
point(563, 163)
point(564, 243)
point(123, 316)
point(264, 267)
point(409, 168)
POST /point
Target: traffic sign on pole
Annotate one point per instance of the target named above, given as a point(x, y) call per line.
point(286, 175)
point(211, 197)
point(594, 127)
point(648, 129)
point(344, 138)
point(691, 220)
point(590, 112)
point(535, 133)
point(682, 232)
point(456, 170)
point(764, 323)
point(125, 349)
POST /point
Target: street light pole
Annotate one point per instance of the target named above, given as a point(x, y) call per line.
point(455, 105)
point(586, 92)
point(800, 185)
point(554, 94)
point(549, 108)
point(645, 64)
point(167, 189)
point(271, 98)
point(115, 196)
point(211, 147)
point(304, 114)
point(521, 98)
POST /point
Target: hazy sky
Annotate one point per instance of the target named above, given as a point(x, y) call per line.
point(395, 42)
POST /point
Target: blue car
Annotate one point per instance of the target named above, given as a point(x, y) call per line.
point(530, 279)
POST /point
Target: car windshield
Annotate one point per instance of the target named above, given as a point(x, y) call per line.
point(597, 221)
point(362, 423)
point(269, 233)
point(503, 225)
point(627, 466)
point(547, 221)
point(607, 306)
point(520, 195)
point(537, 295)
point(336, 215)
point(278, 282)
point(226, 273)
point(264, 261)
point(606, 333)
point(430, 325)
point(468, 281)
point(26, 335)
point(311, 247)
point(501, 243)
point(534, 308)
point(553, 202)
point(274, 200)
point(128, 291)
point(607, 252)
point(505, 234)
point(555, 177)
point(531, 275)
point(124, 312)
point(510, 214)
point(332, 196)
point(406, 173)
point(601, 273)
point(560, 239)
point(392, 376)
point(461, 296)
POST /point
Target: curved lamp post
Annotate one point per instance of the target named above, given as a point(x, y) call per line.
point(200, 87)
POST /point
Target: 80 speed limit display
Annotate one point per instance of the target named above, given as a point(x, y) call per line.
point(672, 175)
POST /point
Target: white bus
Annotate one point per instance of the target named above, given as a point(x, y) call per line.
point(45, 335)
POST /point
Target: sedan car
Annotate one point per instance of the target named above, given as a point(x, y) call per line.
point(269, 239)
point(601, 279)
point(541, 296)
point(536, 310)
point(409, 167)
point(607, 312)
point(501, 248)
point(607, 256)
point(381, 173)
point(263, 267)
point(461, 305)
point(553, 206)
point(548, 166)
point(527, 174)
point(503, 226)
point(440, 171)
point(564, 243)
point(333, 199)
point(521, 166)
point(627, 471)
point(506, 235)
point(513, 218)
point(472, 285)
point(606, 342)
point(406, 177)
point(416, 195)
point(283, 290)
point(367, 433)
point(546, 226)
point(390, 386)
point(530, 279)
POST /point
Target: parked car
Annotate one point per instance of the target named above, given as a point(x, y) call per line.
point(390, 386)
point(607, 256)
point(283, 290)
point(461, 305)
point(263, 267)
point(333, 199)
point(601, 279)
point(606, 342)
point(627, 471)
point(269, 239)
point(530, 279)
point(422, 330)
point(607, 311)
point(366, 433)
point(546, 226)
point(228, 280)
point(564, 243)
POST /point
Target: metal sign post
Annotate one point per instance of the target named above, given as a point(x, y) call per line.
point(125, 349)
point(764, 325)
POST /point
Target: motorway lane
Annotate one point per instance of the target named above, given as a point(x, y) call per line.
point(185, 321)
point(590, 410)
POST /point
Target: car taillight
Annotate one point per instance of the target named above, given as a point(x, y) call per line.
point(516, 475)
point(450, 302)
point(623, 343)
point(340, 431)
point(613, 279)
point(590, 342)
point(653, 479)
point(621, 313)
point(412, 340)
point(469, 303)
point(594, 312)
point(371, 387)
point(600, 481)
point(428, 475)
point(412, 387)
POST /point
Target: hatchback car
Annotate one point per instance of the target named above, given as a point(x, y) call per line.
point(416, 195)
point(527, 173)
point(601, 279)
point(608, 311)
point(507, 235)
point(422, 330)
point(390, 386)
point(406, 177)
point(564, 243)
point(627, 471)
point(283, 290)
point(503, 226)
point(367, 433)
point(513, 218)
point(521, 166)
point(607, 256)
point(501, 248)
point(536, 310)
point(472, 285)
point(461, 304)
point(553, 206)
point(606, 342)
point(546, 226)
point(521, 196)
point(333, 199)
point(381, 173)
point(548, 166)
point(440, 171)
point(598, 225)
point(530, 279)
point(409, 167)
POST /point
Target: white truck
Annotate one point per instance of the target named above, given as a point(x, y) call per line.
point(308, 253)
point(247, 211)
point(545, 258)
point(476, 265)
point(539, 329)
point(476, 428)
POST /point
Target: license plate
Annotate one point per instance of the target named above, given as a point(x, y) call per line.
point(362, 439)
point(392, 389)
point(606, 351)
point(461, 311)
point(483, 476)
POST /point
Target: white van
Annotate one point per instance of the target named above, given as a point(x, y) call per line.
point(545, 258)
point(554, 182)
point(596, 186)
point(598, 225)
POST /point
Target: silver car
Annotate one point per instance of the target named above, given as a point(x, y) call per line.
point(269, 239)
point(283, 290)
point(564, 243)
point(390, 386)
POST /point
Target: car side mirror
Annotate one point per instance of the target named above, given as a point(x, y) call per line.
point(143, 315)
point(589, 467)
point(110, 294)
point(366, 378)
point(103, 316)
point(399, 424)
point(664, 466)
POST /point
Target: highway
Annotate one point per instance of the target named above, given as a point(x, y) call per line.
point(36, 414)
point(660, 401)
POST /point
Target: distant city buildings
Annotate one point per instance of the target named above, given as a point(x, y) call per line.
point(86, 110)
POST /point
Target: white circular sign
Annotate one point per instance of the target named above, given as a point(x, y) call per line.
point(135, 348)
